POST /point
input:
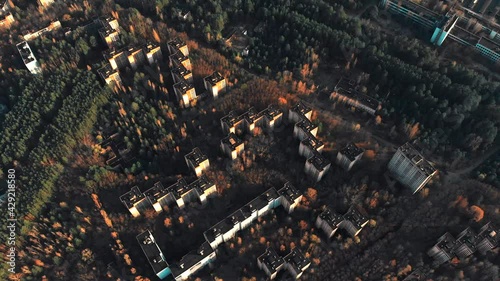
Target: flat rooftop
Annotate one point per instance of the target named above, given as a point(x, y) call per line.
point(178, 57)
point(446, 243)
point(191, 259)
point(201, 184)
point(152, 251)
point(181, 70)
point(297, 260)
point(214, 78)
point(258, 203)
point(150, 46)
point(132, 197)
point(350, 93)
point(177, 43)
point(306, 125)
point(289, 192)
point(251, 115)
point(106, 70)
point(355, 217)
point(196, 156)
point(112, 53)
point(156, 192)
point(467, 237)
point(312, 142)
point(183, 86)
point(272, 111)
point(232, 140)
point(179, 189)
point(218, 229)
point(25, 52)
point(490, 232)
point(271, 260)
point(319, 161)
point(231, 118)
point(331, 218)
point(417, 159)
point(301, 108)
point(351, 151)
point(270, 195)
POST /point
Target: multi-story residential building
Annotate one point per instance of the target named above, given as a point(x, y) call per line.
point(109, 75)
point(232, 146)
point(270, 262)
point(28, 58)
point(6, 19)
point(197, 161)
point(109, 35)
point(135, 201)
point(193, 262)
point(317, 166)
point(108, 21)
point(487, 238)
point(185, 93)
point(215, 84)
point(299, 112)
point(272, 116)
point(296, 263)
point(329, 222)
point(33, 35)
point(290, 197)
point(159, 196)
point(177, 59)
point(203, 188)
point(348, 156)
point(354, 221)
point(443, 250)
point(182, 74)
point(309, 146)
point(154, 255)
point(231, 122)
point(135, 57)
point(252, 119)
point(45, 3)
point(410, 168)
point(223, 231)
point(116, 58)
point(466, 243)
point(181, 192)
point(177, 45)
point(304, 129)
point(345, 92)
point(152, 52)
point(249, 212)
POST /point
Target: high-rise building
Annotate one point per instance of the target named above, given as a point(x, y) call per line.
point(271, 263)
point(349, 155)
point(197, 161)
point(410, 168)
point(215, 84)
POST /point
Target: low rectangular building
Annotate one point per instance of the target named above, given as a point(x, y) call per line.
point(296, 263)
point(232, 146)
point(28, 57)
point(185, 93)
point(154, 255)
point(135, 201)
point(354, 221)
point(443, 250)
point(309, 146)
point(182, 74)
point(290, 197)
point(348, 156)
point(317, 166)
point(197, 161)
point(177, 45)
point(177, 59)
point(231, 122)
point(345, 92)
point(270, 262)
point(298, 112)
point(304, 129)
point(329, 222)
point(193, 262)
point(215, 84)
